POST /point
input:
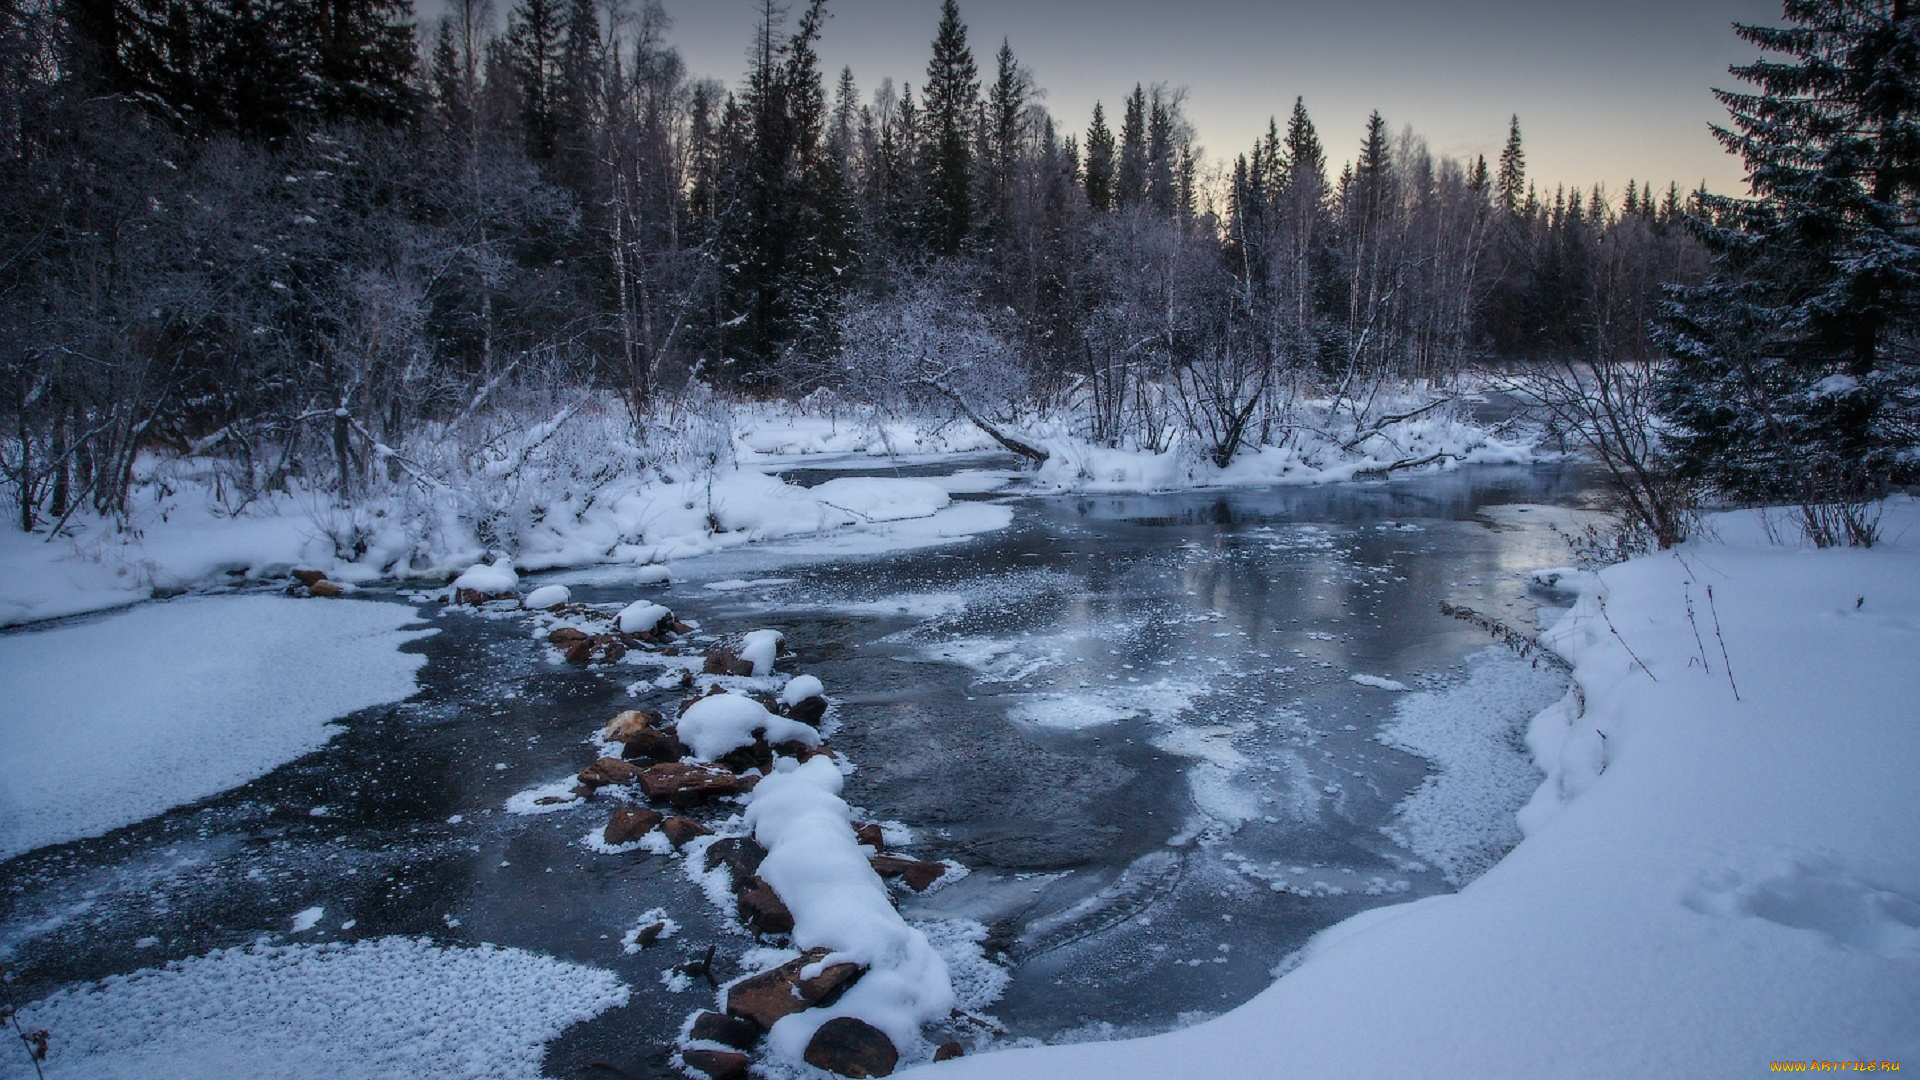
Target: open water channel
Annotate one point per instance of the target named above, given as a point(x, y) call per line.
point(1135, 719)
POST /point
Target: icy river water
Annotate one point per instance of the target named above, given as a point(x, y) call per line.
point(1170, 736)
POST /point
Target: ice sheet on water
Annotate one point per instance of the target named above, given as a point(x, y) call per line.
point(1068, 712)
point(385, 1007)
point(119, 718)
point(1461, 819)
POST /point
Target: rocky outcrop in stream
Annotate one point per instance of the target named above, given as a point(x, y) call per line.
point(741, 784)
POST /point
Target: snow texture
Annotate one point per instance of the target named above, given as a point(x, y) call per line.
point(841, 905)
point(800, 688)
point(1461, 817)
point(1708, 883)
point(116, 719)
point(1381, 683)
point(496, 578)
point(720, 723)
point(642, 616)
point(372, 1010)
point(547, 596)
point(760, 648)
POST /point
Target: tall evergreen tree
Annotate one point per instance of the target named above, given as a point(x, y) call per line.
point(1130, 179)
point(1100, 162)
point(535, 42)
point(1792, 373)
point(952, 95)
point(1511, 181)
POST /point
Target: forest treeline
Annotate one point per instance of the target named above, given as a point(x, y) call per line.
point(292, 232)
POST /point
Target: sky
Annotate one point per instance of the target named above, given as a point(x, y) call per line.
point(1605, 92)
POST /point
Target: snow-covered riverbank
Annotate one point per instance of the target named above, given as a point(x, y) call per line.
point(585, 494)
point(1719, 872)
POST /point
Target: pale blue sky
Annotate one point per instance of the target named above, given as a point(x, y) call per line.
point(1605, 91)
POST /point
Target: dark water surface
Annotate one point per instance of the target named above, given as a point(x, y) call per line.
point(1131, 717)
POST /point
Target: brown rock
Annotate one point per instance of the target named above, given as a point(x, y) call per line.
point(808, 711)
point(686, 784)
point(632, 723)
point(612, 651)
point(584, 791)
point(770, 995)
point(868, 833)
point(741, 856)
point(725, 1030)
point(723, 660)
point(679, 627)
point(309, 578)
point(948, 1051)
point(611, 771)
point(649, 934)
point(630, 823)
point(686, 680)
point(638, 730)
point(755, 755)
point(718, 1064)
point(325, 588)
point(679, 830)
point(581, 651)
point(852, 1047)
point(762, 909)
point(566, 636)
point(917, 874)
point(555, 800)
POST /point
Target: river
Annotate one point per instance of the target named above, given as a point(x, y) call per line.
point(1158, 730)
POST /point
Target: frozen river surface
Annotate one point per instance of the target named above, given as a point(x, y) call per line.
point(1170, 736)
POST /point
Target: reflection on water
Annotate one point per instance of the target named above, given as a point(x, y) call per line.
point(1135, 719)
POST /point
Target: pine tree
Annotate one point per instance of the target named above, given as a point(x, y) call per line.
point(952, 94)
point(1006, 104)
point(1791, 370)
point(1512, 177)
point(578, 92)
point(535, 40)
point(1100, 163)
point(1130, 180)
point(1163, 192)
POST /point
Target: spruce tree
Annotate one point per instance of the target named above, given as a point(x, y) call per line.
point(535, 41)
point(1791, 373)
point(1130, 180)
point(952, 94)
point(1100, 163)
point(1511, 180)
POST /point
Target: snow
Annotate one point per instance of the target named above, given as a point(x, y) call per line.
point(573, 491)
point(547, 596)
point(1707, 884)
point(118, 718)
point(760, 648)
point(386, 1007)
point(1381, 683)
point(642, 616)
point(800, 688)
point(307, 919)
point(871, 498)
point(841, 905)
point(496, 578)
point(720, 723)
